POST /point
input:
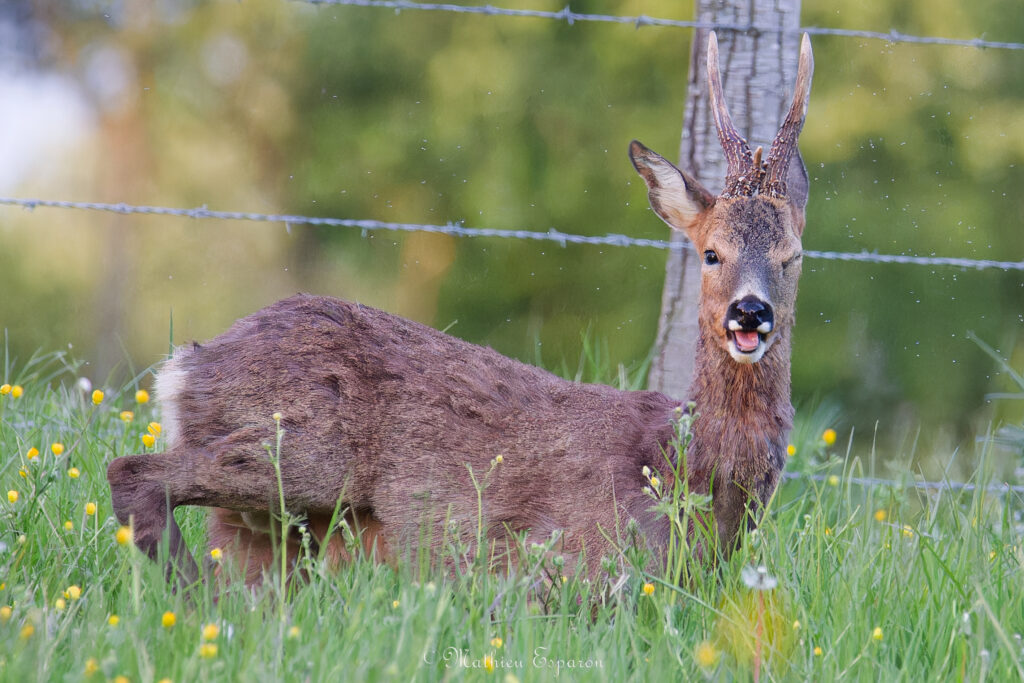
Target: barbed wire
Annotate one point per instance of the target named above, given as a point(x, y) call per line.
point(552, 235)
point(872, 482)
point(570, 17)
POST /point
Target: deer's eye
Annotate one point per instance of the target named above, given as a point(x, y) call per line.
point(710, 257)
point(788, 262)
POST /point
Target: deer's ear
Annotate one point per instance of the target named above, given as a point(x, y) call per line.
point(797, 189)
point(674, 195)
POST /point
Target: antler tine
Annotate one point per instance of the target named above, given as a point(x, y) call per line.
point(785, 141)
point(737, 151)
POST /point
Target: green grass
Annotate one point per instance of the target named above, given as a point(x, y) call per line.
point(941, 577)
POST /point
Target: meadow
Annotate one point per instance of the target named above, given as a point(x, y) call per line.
point(840, 580)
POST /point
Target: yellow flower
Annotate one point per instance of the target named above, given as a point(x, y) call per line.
point(829, 436)
point(833, 480)
point(216, 554)
point(169, 619)
point(142, 396)
point(57, 448)
point(97, 397)
point(91, 666)
point(165, 680)
point(148, 440)
point(648, 589)
point(17, 391)
point(655, 482)
point(796, 625)
point(828, 531)
point(59, 604)
point(992, 556)
point(496, 643)
point(208, 650)
point(113, 620)
point(123, 535)
point(26, 631)
point(210, 632)
point(127, 416)
point(23, 472)
point(5, 389)
point(5, 614)
point(499, 459)
point(294, 632)
point(90, 509)
point(790, 450)
point(877, 633)
point(12, 496)
point(395, 604)
point(73, 592)
point(277, 417)
point(154, 428)
point(907, 531)
point(122, 679)
point(817, 651)
point(881, 515)
point(69, 525)
point(706, 654)
point(32, 453)
point(74, 473)
point(489, 663)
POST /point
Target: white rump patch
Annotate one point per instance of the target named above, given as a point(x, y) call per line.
point(170, 384)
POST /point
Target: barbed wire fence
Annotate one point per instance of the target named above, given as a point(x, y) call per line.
point(455, 229)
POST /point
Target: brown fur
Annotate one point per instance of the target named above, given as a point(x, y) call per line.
point(387, 417)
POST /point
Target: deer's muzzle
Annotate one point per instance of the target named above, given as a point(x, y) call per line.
point(748, 323)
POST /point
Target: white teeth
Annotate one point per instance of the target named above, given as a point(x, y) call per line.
point(764, 328)
point(735, 326)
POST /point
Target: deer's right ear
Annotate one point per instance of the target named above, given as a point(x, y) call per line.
point(674, 195)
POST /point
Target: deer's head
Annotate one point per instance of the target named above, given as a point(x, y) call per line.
point(748, 237)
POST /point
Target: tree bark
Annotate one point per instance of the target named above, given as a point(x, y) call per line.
point(758, 70)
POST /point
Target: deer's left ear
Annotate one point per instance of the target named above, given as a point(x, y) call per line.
point(797, 188)
point(674, 195)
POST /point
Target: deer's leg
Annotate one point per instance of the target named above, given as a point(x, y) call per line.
point(147, 488)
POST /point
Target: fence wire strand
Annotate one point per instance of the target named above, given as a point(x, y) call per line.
point(562, 238)
point(567, 15)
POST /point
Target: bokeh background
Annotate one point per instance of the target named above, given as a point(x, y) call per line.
point(425, 117)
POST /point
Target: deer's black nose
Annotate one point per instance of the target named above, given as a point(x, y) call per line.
point(749, 314)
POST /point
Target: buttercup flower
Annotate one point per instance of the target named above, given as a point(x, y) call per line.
point(154, 428)
point(97, 397)
point(706, 654)
point(12, 496)
point(881, 515)
point(69, 525)
point(829, 436)
point(59, 604)
point(294, 632)
point(91, 666)
point(210, 632)
point(395, 604)
point(74, 473)
point(877, 633)
point(790, 450)
point(127, 416)
point(26, 631)
point(32, 453)
point(208, 650)
point(648, 589)
point(123, 535)
point(489, 663)
point(23, 473)
point(5, 614)
point(817, 651)
point(142, 396)
point(499, 459)
point(113, 620)
point(148, 440)
point(90, 509)
point(496, 643)
point(16, 391)
point(57, 448)
point(216, 554)
point(73, 592)
point(5, 389)
point(168, 619)
point(833, 480)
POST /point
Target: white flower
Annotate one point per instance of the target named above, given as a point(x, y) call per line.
point(758, 578)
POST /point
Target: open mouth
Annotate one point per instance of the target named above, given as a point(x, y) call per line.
point(746, 341)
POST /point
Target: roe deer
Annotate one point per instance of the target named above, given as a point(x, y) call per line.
point(388, 415)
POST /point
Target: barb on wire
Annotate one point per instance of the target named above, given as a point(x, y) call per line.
point(457, 230)
point(912, 484)
point(570, 17)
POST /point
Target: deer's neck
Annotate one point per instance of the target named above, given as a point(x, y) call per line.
point(745, 415)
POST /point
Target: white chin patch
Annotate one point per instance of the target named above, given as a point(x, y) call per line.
point(748, 357)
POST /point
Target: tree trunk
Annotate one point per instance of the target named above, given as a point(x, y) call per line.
point(758, 70)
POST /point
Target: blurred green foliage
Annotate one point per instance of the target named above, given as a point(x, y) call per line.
point(499, 122)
